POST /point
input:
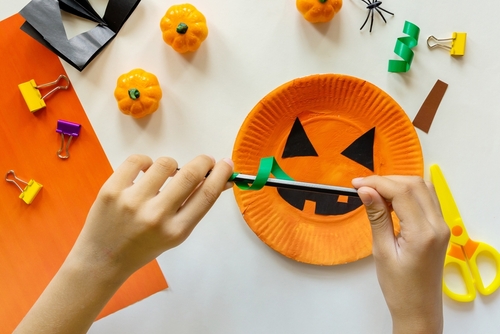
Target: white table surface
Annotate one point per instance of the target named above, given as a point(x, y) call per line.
point(223, 279)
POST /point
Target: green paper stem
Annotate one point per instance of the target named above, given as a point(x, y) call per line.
point(404, 47)
point(267, 166)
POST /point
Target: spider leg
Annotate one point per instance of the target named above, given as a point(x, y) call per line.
point(366, 2)
point(385, 10)
point(371, 22)
point(381, 15)
point(367, 16)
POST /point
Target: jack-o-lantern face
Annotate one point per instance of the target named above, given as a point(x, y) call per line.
point(298, 145)
point(324, 129)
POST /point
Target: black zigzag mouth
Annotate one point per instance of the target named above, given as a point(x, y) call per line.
point(326, 204)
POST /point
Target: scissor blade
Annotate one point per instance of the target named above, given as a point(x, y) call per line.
point(448, 206)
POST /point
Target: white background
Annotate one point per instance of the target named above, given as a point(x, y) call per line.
point(223, 279)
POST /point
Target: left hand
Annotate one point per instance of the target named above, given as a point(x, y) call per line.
point(130, 223)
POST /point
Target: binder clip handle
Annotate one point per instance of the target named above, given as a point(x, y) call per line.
point(66, 149)
point(433, 42)
point(53, 83)
point(14, 180)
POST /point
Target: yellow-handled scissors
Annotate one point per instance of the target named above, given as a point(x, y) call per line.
point(463, 251)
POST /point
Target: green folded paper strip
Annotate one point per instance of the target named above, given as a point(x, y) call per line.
point(404, 47)
point(267, 166)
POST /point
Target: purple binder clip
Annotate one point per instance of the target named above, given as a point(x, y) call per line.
point(69, 129)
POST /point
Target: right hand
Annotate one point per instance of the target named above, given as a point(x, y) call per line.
point(409, 265)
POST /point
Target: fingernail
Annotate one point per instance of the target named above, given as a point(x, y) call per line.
point(365, 197)
point(229, 162)
point(357, 180)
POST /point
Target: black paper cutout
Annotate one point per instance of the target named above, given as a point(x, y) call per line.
point(361, 150)
point(83, 9)
point(44, 24)
point(326, 204)
point(297, 143)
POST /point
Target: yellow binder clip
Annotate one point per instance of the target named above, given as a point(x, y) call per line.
point(29, 192)
point(457, 47)
point(31, 92)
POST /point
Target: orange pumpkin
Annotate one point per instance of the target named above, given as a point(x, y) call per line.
point(138, 93)
point(316, 11)
point(322, 129)
point(184, 28)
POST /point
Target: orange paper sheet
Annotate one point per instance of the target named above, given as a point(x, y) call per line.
point(35, 238)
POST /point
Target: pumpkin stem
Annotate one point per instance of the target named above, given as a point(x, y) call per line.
point(182, 28)
point(134, 93)
point(322, 1)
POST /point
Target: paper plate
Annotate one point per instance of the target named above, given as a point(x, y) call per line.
point(326, 129)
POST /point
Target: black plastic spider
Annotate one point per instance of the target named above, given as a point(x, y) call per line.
point(374, 5)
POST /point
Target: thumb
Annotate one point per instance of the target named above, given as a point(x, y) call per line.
point(380, 219)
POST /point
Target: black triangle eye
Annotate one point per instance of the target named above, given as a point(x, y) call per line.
point(298, 144)
point(361, 150)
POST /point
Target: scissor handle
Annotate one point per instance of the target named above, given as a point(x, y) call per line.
point(466, 274)
point(485, 249)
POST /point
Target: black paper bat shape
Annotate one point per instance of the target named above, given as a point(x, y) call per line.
point(44, 23)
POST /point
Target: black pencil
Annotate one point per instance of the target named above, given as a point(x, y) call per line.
point(297, 185)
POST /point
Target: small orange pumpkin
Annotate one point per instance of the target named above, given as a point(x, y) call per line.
point(138, 93)
point(324, 129)
point(184, 28)
point(316, 11)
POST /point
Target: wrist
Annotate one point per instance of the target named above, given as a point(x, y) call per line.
point(93, 264)
point(74, 297)
point(425, 323)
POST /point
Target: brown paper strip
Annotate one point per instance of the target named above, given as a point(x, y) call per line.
point(427, 111)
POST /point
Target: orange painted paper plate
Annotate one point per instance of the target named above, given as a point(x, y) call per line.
point(326, 129)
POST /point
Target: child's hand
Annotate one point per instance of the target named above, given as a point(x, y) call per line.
point(410, 265)
point(128, 225)
point(131, 223)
